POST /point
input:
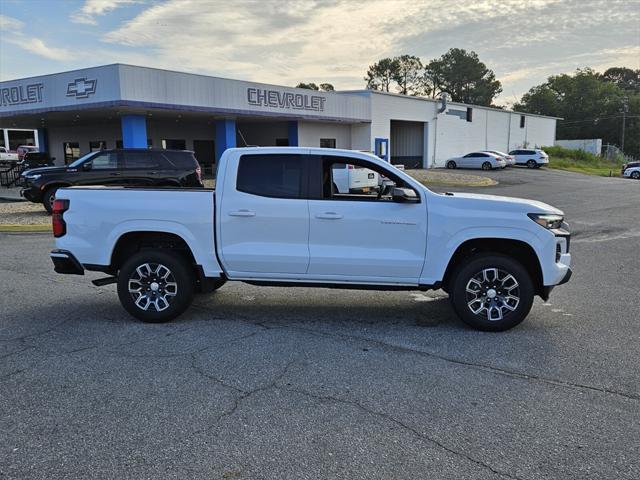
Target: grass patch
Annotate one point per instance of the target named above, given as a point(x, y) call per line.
point(449, 179)
point(579, 161)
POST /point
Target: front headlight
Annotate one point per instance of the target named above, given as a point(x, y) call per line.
point(35, 176)
point(549, 221)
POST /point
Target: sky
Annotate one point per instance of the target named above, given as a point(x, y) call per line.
point(289, 41)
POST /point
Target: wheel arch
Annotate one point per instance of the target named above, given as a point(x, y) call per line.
point(54, 184)
point(131, 242)
point(517, 249)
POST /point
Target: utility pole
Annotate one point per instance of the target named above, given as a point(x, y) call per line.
point(625, 109)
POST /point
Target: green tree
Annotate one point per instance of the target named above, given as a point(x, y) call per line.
point(308, 86)
point(463, 76)
point(625, 78)
point(326, 87)
point(590, 105)
point(381, 74)
point(408, 74)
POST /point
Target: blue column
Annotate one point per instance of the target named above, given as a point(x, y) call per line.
point(43, 140)
point(134, 131)
point(225, 136)
point(293, 133)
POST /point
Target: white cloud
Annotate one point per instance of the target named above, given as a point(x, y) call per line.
point(94, 8)
point(8, 24)
point(12, 31)
point(335, 40)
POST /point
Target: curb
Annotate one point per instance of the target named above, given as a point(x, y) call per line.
point(9, 228)
point(12, 199)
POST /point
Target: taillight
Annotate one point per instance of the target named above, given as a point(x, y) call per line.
point(350, 167)
point(57, 220)
point(199, 173)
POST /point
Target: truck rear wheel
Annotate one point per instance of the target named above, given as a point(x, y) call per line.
point(155, 286)
point(491, 292)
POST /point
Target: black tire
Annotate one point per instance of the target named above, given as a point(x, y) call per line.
point(532, 164)
point(451, 164)
point(48, 197)
point(635, 175)
point(486, 166)
point(508, 306)
point(166, 296)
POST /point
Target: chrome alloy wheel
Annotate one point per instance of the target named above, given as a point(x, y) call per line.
point(152, 285)
point(492, 293)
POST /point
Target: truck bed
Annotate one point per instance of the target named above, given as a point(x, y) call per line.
point(187, 212)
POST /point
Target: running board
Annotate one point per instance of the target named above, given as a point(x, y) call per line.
point(101, 282)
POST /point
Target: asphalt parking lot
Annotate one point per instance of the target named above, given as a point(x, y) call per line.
point(274, 383)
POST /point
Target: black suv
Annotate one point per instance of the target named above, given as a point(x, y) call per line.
point(129, 167)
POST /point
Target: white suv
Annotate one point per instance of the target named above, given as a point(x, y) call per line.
point(532, 158)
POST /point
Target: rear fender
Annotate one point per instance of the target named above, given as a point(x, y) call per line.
point(201, 248)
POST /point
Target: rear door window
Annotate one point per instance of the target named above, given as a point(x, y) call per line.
point(178, 160)
point(273, 175)
point(105, 161)
point(139, 160)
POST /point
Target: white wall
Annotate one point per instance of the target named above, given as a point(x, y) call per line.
point(310, 133)
point(591, 145)
point(83, 134)
point(261, 134)
point(385, 108)
point(111, 131)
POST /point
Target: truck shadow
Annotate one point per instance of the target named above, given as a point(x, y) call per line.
point(328, 307)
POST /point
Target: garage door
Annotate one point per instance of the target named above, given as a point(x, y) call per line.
point(407, 143)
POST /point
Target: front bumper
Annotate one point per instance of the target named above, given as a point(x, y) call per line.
point(65, 262)
point(31, 193)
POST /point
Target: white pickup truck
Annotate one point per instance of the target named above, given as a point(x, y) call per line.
point(276, 219)
point(7, 156)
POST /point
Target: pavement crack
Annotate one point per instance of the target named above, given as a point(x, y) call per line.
point(404, 426)
point(475, 365)
point(17, 352)
point(241, 396)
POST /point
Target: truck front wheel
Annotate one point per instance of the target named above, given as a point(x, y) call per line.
point(155, 286)
point(491, 292)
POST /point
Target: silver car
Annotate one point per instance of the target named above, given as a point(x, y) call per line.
point(483, 160)
point(509, 159)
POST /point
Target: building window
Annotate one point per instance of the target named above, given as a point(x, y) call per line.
point(271, 175)
point(282, 142)
point(119, 143)
point(327, 143)
point(71, 151)
point(522, 117)
point(469, 114)
point(175, 144)
point(97, 145)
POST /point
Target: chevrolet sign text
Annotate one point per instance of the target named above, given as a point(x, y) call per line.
point(21, 94)
point(295, 101)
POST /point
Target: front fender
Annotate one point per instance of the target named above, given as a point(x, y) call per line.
point(441, 248)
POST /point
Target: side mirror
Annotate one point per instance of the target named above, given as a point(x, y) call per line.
point(404, 195)
point(86, 166)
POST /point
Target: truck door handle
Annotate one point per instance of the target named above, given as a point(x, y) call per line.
point(242, 213)
point(115, 174)
point(329, 216)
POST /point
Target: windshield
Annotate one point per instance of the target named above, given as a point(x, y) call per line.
point(81, 160)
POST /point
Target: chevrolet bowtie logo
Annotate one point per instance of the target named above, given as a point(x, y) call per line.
point(81, 88)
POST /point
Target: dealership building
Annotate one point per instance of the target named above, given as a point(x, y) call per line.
point(72, 113)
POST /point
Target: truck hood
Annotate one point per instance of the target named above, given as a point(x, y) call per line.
point(497, 202)
point(44, 170)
